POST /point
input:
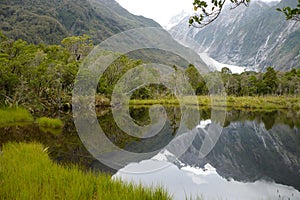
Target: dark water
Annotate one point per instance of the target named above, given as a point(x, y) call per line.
point(254, 145)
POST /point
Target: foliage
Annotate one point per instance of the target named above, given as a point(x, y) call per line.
point(78, 46)
point(46, 122)
point(14, 115)
point(209, 12)
point(38, 77)
point(41, 77)
point(114, 72)
point(26, 172)
point(291, 13)
point(196, 80)
point(270, 81)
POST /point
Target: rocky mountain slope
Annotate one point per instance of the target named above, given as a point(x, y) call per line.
point(257, 36)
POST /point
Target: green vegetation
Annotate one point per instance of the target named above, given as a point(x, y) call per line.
point(243, 102)
point(283, 87)
point(115, 71)
point(26, 172)
point(248, 90)
point(40, 78)
point(14, 115)
point(249, 83)
point(46, 122)
point(291, 13)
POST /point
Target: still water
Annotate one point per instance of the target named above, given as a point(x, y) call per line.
point(256, 157)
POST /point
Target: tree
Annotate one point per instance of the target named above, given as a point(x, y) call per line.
point(196, 80)
point(226, 70)
point(41, 76)
point(209, 12)
point(114, 72)
point(249, 84)
point(270, 80)
point(78, 46)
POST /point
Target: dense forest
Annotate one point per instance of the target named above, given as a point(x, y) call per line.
point(41, 77)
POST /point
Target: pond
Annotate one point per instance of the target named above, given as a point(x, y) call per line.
point(257, 155)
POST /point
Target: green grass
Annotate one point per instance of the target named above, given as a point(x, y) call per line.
point(257, 103)
point(49, 123)
point(26, 172)
point(14, 115)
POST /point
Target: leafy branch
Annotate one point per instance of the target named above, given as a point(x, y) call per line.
point(291, 13)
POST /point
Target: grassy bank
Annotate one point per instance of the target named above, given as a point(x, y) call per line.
point(266, 102)
point(14, 115)
point(26, 172)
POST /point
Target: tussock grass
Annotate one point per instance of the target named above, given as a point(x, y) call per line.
point(50, 123)
point(26, 172)
point(14, 115)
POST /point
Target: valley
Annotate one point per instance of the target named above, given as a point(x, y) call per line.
point(100, 103)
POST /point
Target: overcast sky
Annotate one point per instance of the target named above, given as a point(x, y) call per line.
point(159, 10)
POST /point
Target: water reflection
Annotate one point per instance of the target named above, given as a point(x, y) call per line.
point(190, 182)
point(247, 151)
